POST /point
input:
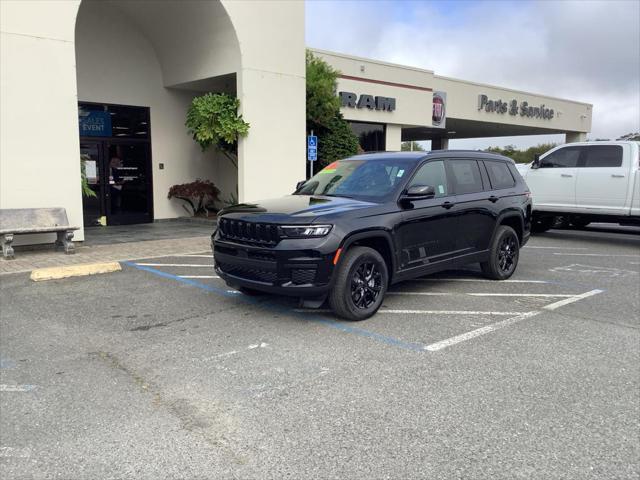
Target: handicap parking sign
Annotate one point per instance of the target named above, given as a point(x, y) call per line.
point(312, 148)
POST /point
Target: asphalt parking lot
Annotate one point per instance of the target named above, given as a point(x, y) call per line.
point(161, 371)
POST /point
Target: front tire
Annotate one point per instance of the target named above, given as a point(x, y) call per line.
point(360, 284)
point(503, 256)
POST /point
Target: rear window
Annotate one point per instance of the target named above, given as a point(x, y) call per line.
point(603, 156)
point(499, 175)
point(466, 176)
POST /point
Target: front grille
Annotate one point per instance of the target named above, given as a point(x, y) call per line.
point(251, 233)
point(250, 273)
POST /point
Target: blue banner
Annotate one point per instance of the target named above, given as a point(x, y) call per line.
point(94, 124)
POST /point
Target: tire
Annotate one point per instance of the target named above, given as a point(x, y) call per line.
point(579, 222)
point(503, 255)
point(358, 289)
point(542, 224)
point(250, 292)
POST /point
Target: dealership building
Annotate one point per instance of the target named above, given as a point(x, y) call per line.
point(110, 82)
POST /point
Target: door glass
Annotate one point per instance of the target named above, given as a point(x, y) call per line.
point(466, 176)
point(91, 205)
point(603, 156)
point(499, 175)
point(432, 174)
point(563, 158)
point(128, 180)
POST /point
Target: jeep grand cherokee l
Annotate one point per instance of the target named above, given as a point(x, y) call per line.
point(369, 221)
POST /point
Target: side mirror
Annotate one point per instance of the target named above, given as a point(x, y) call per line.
point(300, 184)
point(419, 192)
point(536, 161)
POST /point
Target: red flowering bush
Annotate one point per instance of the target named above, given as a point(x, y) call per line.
point(200, 195)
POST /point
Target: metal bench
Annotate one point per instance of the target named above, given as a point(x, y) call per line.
point(18, 221)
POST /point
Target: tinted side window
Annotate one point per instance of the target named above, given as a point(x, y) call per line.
point(563, 158)
point(499, 175)
point(466, 176)
point(603, 156)
point(434, 175)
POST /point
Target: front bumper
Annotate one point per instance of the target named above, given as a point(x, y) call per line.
point(300, 267)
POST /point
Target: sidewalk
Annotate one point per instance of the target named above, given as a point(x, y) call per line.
point(26, 261)
point(119, 243)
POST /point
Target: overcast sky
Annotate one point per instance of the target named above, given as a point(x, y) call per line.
point(587, 51)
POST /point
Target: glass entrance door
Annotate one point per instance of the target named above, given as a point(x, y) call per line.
point(119, 172)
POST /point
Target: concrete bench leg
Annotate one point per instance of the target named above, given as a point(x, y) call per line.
point(7, 249)
point(64, 241)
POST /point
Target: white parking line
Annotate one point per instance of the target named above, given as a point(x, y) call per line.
point(483, 294)
point(430, 312)
point(595, 255)
point(195, 255)
point(16, 388)
point(519, 295)
point(557, 248)
point(173, 265)
point(436, 279)
point(434, 347)
point(573, 298)
point(198, 276)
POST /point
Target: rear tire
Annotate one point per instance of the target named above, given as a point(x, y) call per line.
point(503, 255)
point(360, 284)
point(542, 224)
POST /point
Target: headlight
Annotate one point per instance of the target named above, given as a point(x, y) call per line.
point(306, 231)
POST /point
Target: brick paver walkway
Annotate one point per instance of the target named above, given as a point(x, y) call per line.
point(26, 261)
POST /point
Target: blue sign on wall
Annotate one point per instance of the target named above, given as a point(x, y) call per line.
point(94, 124)
point(312, 148)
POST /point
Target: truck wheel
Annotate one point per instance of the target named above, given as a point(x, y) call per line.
point(503, 256)
point(542, 224)
point(360, 284)
point(579, 222)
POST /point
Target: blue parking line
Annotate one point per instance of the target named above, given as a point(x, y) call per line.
point(361, 332)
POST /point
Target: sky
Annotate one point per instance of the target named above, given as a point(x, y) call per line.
point(587, 51)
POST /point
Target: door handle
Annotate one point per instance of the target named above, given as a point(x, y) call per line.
point(566, 175)
point(493, 199)
point(447, 205)
point(617, 176)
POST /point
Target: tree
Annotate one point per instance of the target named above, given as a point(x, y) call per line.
point(336, 140)
point(631, 137)
point(213, 120)
point(522, 156)
point(411, 147)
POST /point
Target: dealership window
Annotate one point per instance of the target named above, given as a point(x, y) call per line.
point(117, 121)
point(370, 135)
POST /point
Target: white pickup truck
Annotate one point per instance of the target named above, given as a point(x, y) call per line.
point(585, 182)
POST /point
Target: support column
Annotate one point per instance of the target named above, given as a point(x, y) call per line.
point(440, 143)
point(393, 138)
point(572, 137)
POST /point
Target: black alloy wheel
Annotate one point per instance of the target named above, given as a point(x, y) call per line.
point(360, 283)
point(503, 254)
point(366, 284)
point(508, 253)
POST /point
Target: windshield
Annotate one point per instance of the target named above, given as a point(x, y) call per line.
point(363, 179)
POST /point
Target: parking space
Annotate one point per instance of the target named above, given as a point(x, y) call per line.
point(428, 314)
point(162, 371)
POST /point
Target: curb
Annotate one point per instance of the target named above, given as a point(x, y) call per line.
point(56, 273)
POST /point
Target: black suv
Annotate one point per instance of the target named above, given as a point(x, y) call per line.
point(366, 222)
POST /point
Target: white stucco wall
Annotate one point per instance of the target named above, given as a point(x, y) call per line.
point(116, 63)
point(39, 150)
